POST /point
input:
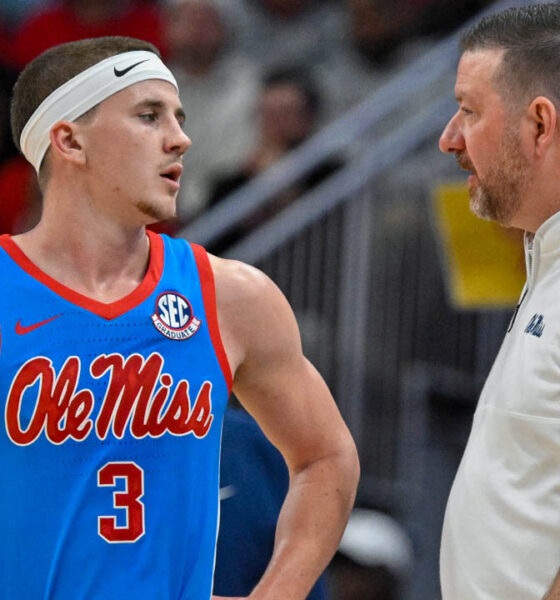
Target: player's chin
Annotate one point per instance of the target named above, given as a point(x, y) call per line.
point(163, 209)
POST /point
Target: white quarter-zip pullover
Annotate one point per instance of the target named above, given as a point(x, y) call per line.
point(501, 534)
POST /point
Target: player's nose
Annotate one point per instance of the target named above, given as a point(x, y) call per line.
point(451, 139)
point(178, 140)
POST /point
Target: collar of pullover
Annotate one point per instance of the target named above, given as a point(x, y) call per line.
point(542, 249)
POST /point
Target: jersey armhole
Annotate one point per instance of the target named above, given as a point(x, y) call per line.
point(206, 276)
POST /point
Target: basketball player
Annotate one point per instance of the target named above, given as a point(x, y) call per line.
point(501, 535)
point(118, 352)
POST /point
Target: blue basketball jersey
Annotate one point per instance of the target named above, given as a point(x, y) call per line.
point(109, 453)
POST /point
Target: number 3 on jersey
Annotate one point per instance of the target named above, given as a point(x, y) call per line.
point(129, 500)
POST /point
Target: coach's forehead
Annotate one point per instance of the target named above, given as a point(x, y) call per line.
point(476, 72)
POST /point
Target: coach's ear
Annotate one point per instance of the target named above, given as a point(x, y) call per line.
point(543, 115)
point(66, 143)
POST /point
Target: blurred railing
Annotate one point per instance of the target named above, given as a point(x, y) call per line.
point(363, 286)
point(358, 260)
point(334, 139)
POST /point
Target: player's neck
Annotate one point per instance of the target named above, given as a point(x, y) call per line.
point(93, 255)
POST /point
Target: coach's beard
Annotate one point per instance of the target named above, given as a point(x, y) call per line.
point(498, 196)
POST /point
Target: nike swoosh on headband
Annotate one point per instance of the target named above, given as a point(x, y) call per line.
point(120, 73)
point(84, 91)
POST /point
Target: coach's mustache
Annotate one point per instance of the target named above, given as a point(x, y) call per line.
point(464, 162)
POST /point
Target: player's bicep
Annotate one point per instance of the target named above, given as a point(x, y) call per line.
point(282, 390)
point(296, 412)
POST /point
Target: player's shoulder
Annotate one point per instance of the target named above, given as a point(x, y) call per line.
point(239, 282)
point(249, 300)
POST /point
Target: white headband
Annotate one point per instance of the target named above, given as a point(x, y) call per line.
point(84, 91)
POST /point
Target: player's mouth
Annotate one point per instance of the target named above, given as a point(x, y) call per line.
point(173, 175)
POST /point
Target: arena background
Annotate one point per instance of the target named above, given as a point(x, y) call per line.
point(315, 158)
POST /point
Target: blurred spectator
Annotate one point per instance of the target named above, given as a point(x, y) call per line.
point(284, 32)
point(381, 39)
point(20, 196)
point(19, 190)
point(7, 80)
point(218, 89)
point(287, 115)
point(14, 11)
point(71, 20)
point(442, 17)
point(374, 559)
point(6, 47)
point(253, 484)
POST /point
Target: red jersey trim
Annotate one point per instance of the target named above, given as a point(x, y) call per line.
point(110, 310)
point(207, 285)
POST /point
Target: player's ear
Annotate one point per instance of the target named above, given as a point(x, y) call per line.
point(543, 116)
point(66, 142)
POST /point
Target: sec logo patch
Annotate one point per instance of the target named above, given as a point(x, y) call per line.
point(174, 316)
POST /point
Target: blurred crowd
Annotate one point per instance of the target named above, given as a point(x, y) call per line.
point(256, 77)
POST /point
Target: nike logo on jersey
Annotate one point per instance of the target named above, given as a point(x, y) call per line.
point(121, 72)
point(22, 330)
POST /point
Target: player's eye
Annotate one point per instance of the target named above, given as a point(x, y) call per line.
point(150, 117)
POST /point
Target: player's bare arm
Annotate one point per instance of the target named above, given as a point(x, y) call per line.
point(292, 404)
point(554, 591)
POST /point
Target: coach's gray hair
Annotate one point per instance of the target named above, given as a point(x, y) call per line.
point(530, 38)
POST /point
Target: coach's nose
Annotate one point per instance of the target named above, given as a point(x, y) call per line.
point(451, 139)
